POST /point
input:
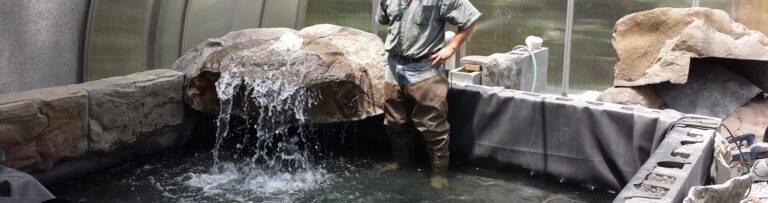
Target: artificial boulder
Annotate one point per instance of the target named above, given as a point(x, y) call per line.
point(657, 46)
point(123, 109)
point(642, 96)
point(750, 118)
point(40, 127)
point(732, 190)
point(340, 68)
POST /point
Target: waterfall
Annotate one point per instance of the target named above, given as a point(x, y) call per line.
point(275, 111)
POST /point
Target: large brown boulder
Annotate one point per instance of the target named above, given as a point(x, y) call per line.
point(40, 127)
point(335, 71)
point(642, 96)
point(657, 46)
point(750, 118)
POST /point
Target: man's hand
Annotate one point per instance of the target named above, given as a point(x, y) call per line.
point(448, 51)
point(444, 54)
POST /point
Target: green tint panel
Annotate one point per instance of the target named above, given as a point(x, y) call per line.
point(168, 34)
point(215, 18)
point(725, 5)
point(281, 13)
point(592, 53)
point(350, 13)
point(118, 38)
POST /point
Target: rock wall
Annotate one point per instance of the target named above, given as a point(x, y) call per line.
point(40, 127)
point(656, 46)
point(124, 108)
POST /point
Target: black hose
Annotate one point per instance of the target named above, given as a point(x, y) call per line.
point(744, 161)
point(738, 146)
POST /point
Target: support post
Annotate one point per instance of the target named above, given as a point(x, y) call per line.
point(567, 49)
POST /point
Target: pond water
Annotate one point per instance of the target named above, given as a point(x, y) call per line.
point(182, 177)
point(265, 149)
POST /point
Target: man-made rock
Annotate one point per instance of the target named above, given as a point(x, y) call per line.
point(731, 191)
point(121, 109)
point(39, 127)
point(643, 96)
point(657, 46)
point(750, 118)
point(342, 66)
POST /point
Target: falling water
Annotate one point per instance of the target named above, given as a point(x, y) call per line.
point(279, 163)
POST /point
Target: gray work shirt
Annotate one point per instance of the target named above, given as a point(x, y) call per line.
point(418, 30)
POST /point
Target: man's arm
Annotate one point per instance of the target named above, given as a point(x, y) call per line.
point(448, 51)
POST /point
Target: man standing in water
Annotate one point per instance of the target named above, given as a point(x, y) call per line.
point(416, 89)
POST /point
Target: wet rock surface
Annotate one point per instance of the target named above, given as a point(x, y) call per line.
point(642, 96)
point(342, 66)
point(39, 127)
point(657, 46)
point(127, 107)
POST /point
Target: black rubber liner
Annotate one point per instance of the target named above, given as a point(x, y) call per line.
point(587, 143)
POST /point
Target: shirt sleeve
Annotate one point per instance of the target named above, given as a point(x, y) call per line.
point(382, 16)
point(460, 13)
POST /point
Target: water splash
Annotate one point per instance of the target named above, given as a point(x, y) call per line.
point(273, 102)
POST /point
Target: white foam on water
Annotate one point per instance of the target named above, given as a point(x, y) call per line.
point(289, 42)
point(237, 182)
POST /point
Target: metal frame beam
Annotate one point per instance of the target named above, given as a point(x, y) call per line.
point(374, 14)
point(567, 49)
point(86, 46)
point(301, 14)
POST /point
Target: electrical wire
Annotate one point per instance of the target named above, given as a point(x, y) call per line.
point(743, 160)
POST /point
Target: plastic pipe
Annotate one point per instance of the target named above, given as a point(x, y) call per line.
point(535, 67)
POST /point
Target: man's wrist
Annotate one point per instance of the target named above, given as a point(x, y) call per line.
point(452, 47)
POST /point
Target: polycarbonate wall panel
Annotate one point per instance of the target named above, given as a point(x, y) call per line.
point(40, 43)
point(752, 13)
point(592, 53)
point(118, 38)
point(215, 18)
point(506, 23)
point(283, 13)
point(350, 13)
point(725, 5)
point(167, 44)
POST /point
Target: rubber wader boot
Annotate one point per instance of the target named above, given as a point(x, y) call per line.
point(401, 160)
point(438, 178)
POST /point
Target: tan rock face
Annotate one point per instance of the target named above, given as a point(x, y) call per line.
point(40, 127)
point(122, 109)
point(342, 66)
point(731, 191)
point(656, 46)
point(750, 118)
point(643, 96)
